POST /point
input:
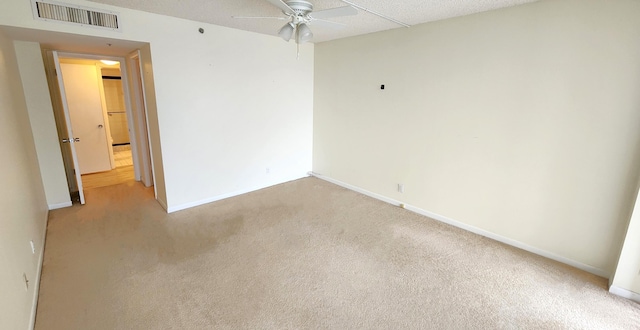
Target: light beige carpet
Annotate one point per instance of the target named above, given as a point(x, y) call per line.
point(301, 255)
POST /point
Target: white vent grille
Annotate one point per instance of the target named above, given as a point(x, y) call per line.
point(78, 15)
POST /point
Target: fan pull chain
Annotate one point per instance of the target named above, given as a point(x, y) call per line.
point(297, 50)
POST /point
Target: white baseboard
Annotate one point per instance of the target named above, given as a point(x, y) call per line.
point(60, 205)
point(163, 204)
point(36, 288)
point(475, 230)
point(227, 195)
point(624, 293)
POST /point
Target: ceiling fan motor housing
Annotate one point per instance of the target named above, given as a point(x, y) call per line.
point(300, 7)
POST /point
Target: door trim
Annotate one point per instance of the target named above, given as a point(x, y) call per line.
point(138, 96)
point(138, 134)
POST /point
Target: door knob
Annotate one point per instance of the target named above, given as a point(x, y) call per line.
point(100, 126)
point(76, 139)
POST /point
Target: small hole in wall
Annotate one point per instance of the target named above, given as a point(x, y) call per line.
point(381, 86)
point(201, 30)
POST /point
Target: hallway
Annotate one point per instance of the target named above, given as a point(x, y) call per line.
point(121, 174)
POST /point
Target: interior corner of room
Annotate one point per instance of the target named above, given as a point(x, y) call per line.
point(520, 124)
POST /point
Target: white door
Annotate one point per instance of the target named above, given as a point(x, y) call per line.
point(69, 139)
point(84, 107)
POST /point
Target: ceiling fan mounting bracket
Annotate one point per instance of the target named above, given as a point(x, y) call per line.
point(301, 10)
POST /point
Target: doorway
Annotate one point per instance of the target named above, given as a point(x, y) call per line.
point(109, 84)
point(100, 137)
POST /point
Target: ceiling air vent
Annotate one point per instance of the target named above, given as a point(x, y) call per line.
point(75, 14)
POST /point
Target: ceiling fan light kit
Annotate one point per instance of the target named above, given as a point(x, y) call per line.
point(303, 33)
point(286, 31)
point(298, 12)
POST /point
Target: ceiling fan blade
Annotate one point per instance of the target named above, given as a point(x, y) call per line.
point(376, 13)
point(334, 12)
point(328, 24)
point(282, 5)
point(252, 17)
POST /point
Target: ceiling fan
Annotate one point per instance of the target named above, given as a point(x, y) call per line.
point(300, 15)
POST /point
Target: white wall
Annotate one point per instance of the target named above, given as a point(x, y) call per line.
point(22, 198)
point(230, 104)
point(45, 135)
point(522, 122)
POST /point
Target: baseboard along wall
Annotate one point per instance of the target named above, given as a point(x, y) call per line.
point(624, 293)
point(60, 205)
point(163, 204)
point(184, 206)
point(36, 288)
point(475, 230)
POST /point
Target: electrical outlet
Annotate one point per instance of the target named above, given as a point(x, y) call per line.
point(33, 247)
point(400, 188)
point(26, 281)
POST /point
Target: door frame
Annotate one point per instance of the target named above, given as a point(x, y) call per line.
point(147, 176)
point(138, 134)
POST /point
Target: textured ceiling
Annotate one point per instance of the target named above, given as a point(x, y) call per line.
point(219, 12)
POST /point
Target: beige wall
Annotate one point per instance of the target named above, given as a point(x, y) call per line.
point(522, 122)
point(22, 198)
